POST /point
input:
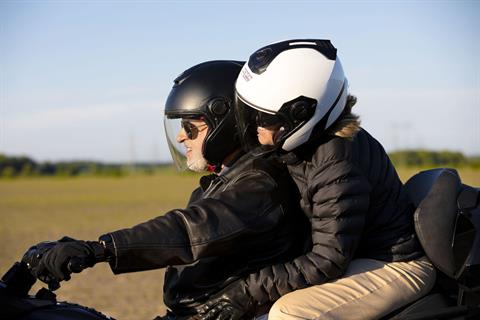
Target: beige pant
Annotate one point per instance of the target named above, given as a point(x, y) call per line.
point(369, 289)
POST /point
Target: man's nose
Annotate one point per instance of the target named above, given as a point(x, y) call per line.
point(181, 136)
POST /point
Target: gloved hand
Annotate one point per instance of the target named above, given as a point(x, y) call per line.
point(232, 303)
point(32, 258)
point(68, 255)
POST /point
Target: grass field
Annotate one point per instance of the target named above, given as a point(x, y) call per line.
point(34, 210)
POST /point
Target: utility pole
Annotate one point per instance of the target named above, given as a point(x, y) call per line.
point(131, 164)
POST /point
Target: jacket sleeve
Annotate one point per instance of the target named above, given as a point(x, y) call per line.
point(226, 223)
point(339, 196)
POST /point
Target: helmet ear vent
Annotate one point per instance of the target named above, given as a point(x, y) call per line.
point(301, 110)
point(218, 107)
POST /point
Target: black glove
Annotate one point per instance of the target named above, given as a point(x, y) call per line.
point(68, 255)
point(232, 303)
point(33, 255)
point(32, 258)
point(172, 316)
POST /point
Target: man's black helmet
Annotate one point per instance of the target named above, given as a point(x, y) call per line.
point(206, 92)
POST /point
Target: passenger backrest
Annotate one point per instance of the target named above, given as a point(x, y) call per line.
point(434, 193)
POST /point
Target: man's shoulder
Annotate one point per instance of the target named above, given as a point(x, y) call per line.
point(253, 163)
point(270, 165)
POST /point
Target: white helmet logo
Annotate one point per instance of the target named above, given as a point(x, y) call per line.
point(247, 76)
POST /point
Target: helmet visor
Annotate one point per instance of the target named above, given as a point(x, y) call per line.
point(173, 126)
point(246, 120)
point(250, 119)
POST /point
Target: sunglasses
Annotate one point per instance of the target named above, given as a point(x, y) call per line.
point(267, 120)
point(192, 130)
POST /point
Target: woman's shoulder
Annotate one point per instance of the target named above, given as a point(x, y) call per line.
point(337, 149)
point(333, 149)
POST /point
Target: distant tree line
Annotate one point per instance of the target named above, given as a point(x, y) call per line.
point(26, 167)
point(426, 158)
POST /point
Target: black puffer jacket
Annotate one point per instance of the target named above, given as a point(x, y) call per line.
point(234, 225)
point(353, 197)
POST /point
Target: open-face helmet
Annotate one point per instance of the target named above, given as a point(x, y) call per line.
point(298, 84)
point(204, 92)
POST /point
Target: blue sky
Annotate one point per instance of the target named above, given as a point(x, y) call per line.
point(88, 79)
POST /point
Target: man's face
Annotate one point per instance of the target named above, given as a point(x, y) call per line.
point(192, 135)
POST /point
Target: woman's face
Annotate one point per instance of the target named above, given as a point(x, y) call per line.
point(268, 127)
point(266, 135)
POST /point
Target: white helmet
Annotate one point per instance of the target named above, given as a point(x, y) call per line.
point(300, 82)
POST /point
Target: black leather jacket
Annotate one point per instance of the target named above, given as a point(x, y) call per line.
point(353, 197)
point(234, 224)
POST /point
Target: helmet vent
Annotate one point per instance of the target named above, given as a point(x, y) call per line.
point(298, 43)
point(301, 110)
point(261, 59)
point(218, 107)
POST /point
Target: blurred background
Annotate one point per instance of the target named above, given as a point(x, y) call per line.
point(86, 80)
point(82, 87)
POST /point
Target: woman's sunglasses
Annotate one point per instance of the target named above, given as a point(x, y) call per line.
point(267, 120)
point(192, 130)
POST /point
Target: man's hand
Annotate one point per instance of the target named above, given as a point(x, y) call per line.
point(66, 256)
point(232, 303)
